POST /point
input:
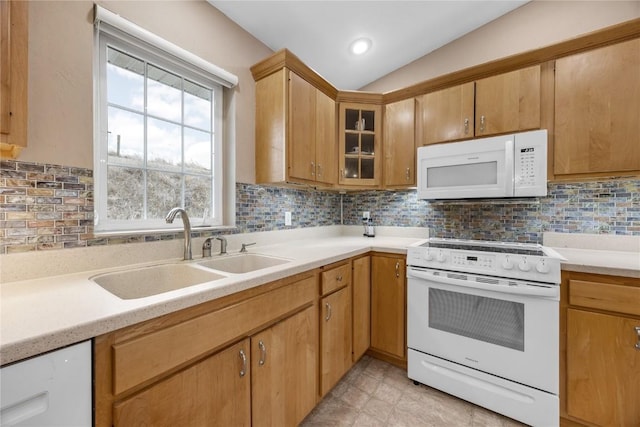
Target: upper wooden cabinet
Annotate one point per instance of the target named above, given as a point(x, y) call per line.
point(508, 102)
point(295, 131)
point(14, 72)
point(597, 111)
point(399, 144)
point(447, 114)
point(360, 144)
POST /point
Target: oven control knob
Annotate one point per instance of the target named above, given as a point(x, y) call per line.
point(507, 264)
point(442, 257)
point(542, 267)
point(523, 265)
point(428, 256)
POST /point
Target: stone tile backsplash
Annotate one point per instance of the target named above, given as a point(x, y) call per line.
point(44, 207)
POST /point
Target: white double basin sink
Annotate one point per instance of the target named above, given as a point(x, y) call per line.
point(156, 279)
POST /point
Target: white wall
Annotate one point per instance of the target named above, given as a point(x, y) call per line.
point(61, 78)
point(534, 25)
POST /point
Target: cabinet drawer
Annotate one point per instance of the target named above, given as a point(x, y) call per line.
point(605, 296)
point(336, 278)
point(146, 357)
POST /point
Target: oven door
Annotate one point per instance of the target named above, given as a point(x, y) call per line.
point(508, 329)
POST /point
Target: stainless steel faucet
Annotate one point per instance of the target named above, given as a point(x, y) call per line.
point(187, 229)
point(223, 245)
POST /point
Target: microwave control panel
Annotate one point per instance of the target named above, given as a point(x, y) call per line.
point(530, 163)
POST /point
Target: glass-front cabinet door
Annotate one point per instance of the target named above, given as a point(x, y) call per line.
point(360, 156)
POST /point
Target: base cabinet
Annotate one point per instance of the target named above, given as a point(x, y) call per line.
point(215, 391)
point(361, 297)
point(388, 306)
point(335, 326)
point(601, 379)
point(284, 364)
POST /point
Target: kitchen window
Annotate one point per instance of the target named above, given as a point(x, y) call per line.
point(159, 132)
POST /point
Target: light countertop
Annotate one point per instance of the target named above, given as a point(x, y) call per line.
point(48, 301)
point(597, 253)
point(45, 313)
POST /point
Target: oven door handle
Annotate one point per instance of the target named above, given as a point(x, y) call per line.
point(540, 291)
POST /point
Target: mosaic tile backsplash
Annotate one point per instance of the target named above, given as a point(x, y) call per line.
point(45, 207)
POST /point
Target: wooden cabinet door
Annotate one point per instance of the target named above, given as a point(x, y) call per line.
point(301, 141)
point(271, 127)
point(447, 114)
point(603, 368)
point(388, 305)
point(360, 145)
point(361, 306)
point(597, 105)
point(399, 144)
point(14, 23)
point(215, 391)
point(335, 337)
point(284, 370)
point(325, 139)
point(508, 102)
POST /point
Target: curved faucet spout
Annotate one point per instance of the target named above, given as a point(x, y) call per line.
point(187, 229)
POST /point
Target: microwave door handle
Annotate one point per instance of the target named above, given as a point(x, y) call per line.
point(509, 168)
point(540, 291)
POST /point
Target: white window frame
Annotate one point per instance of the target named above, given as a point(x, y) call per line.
point(113, 31)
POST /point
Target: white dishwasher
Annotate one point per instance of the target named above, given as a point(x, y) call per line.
point(54, 389)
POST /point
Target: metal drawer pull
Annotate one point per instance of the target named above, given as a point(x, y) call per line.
point(339, 278)
point(243, 357)
point(397, 268)
point(263, 353)
point(638, 334)
point(328, 316)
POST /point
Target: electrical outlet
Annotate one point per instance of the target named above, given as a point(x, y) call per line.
point(365, 215)
point(287, 218)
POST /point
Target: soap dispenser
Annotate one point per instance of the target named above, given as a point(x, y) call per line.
point(369, 228)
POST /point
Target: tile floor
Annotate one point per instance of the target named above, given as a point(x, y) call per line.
point(375, 393)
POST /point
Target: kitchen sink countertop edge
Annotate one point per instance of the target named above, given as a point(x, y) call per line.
point(43, 314)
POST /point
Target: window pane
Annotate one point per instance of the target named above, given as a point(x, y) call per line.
point(125, 193)
point(197, 196)
point(163, 193)
point(164, 94)
point(125, 80)
point(197, 106)
point(164, 145)
point(125, 137)
point(197, 151)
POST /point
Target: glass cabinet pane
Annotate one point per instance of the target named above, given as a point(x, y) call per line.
point(368, 120)
point(352, 119)
point(368, 144)
point(366, 166)
point(351, 143)
point(351, 168)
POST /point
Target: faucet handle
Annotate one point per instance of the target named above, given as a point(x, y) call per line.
point(244, 246)
point(206, 248)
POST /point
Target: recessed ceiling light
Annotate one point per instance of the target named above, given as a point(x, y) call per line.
point(360, 46)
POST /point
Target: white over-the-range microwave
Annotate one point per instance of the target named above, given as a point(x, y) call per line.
point(503, 166)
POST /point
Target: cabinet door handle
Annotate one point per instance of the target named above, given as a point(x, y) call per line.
point(481, 123)
point(313, 169)
point(319, 168)
point(339, 278)
point(243, 357)
point(328, 316)
point(408, 175)
point(466, 126)
point(397, 268)
point(638, 337)
point(263, 353)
